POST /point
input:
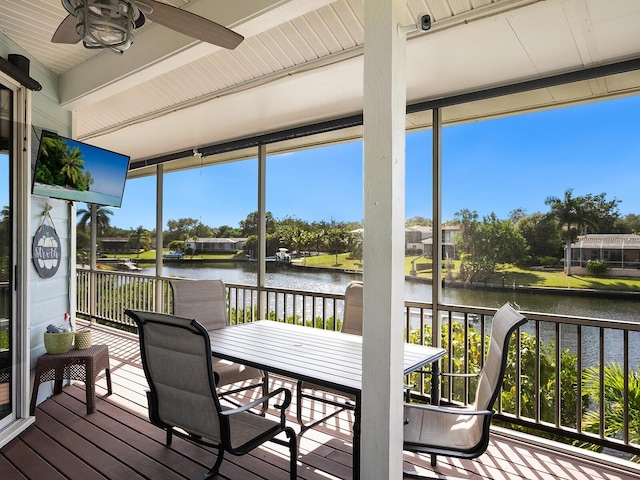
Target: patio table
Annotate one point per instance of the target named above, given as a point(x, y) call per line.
point(330, 359)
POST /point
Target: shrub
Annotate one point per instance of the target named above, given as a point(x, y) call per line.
point(548, 261)
point(597, 267)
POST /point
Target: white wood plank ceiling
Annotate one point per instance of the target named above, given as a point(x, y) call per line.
point(301, 62)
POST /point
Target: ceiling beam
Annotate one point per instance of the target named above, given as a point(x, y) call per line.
point(108, 74)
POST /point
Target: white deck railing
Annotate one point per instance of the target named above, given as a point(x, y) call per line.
point(547, 390)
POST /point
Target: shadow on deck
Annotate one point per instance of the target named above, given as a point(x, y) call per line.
point(117, 442)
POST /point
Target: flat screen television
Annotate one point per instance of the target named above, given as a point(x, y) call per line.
point(76, 171)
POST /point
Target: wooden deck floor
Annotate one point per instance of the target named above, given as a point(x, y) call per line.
point(117, 442)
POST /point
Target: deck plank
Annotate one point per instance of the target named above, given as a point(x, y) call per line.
point(28, 462)
point(118, 441)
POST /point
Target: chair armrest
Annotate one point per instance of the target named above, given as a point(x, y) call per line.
point(462, 375)
point(247, 406)
point(451, 410)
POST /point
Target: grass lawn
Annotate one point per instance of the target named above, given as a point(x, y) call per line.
point(150, 256)
point(509, 274)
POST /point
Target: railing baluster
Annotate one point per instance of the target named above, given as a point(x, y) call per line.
point(113, 292)
point(601, 383)
point(625, 396)
point(579, 404)
point(558, 371)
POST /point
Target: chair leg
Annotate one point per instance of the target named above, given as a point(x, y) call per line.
point(293, 453)
point(434, 459)
point(304, 427)
point(433, 476)
point(265, 392)
point(213, 471)
point(169, 436)
point(299, 403)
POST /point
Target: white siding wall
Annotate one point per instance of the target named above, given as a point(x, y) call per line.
point(49, 296)
point(48, 299)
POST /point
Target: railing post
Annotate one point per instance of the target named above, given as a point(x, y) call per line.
point(262, 231)
point(159, 284)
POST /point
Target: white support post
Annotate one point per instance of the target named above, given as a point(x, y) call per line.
point(262, 231)
point(384, 200)
point(159, 290)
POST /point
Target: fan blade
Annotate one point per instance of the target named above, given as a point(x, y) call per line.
point(191, 24)
point(66, 31)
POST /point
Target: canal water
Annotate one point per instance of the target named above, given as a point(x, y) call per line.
point(315, 280)
point(325, 281)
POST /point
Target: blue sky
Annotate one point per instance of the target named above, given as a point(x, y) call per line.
point(489, 166)
point(107, 168)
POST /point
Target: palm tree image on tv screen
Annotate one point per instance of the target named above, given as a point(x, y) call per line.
point(72, 170)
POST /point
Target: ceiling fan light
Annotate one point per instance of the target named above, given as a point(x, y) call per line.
point(105, 24)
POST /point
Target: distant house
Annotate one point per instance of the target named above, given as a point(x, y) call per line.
point(213, 245)
point(426, 240)
point(108, 245)
point(113, 244)
point(621, 252)
point(414, 238)
point(449, 233)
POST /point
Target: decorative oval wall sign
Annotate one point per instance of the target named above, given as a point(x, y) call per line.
point(46, 251)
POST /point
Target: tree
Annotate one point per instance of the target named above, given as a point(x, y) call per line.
point(488, 243)
point(249, 226)
point(102, 218)
point(541, 234)
point(177, 246)
point(63, 166)
point(615, 410)
point(516, 215)
point(140, 238)
point(337, 241)
point(317, 238)
point(628, 224)
point(573, 214)
point(225, 231)
point(185, 228)
point(603, 214)
point(73, 166)
point(355, 244)
point(418, 220)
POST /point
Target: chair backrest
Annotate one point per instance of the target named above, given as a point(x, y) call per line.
point(353, 309)
point(176, 358)
point(204, 300)
point(505, 322)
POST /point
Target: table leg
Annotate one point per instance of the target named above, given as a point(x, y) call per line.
point(57, 384)
point(34, 392)
point(435, 393)
point(357, 425)
point(90, 388)
point(107, 373)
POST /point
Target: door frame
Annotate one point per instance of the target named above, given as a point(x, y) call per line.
point(20, 180)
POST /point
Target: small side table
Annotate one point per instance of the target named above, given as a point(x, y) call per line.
point(81, 365)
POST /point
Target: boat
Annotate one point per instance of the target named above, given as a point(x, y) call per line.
point(283, 255)
point(127, 266)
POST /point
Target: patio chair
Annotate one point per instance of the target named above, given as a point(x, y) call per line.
point(464, 432)
point(352, 324)
point(176, 358)
point(206, 300)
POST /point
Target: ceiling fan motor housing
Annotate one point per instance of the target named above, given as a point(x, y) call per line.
point(104, 23)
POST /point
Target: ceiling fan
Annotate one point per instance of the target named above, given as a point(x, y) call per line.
point(110, 23)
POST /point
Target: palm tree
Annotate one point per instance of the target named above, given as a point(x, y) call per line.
point(572, 213)
point(102, 218)
point(337, 241)
point(72, 166)
point(608, 395)
point(140, 238)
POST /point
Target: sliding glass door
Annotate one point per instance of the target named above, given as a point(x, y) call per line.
point(7, 386)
